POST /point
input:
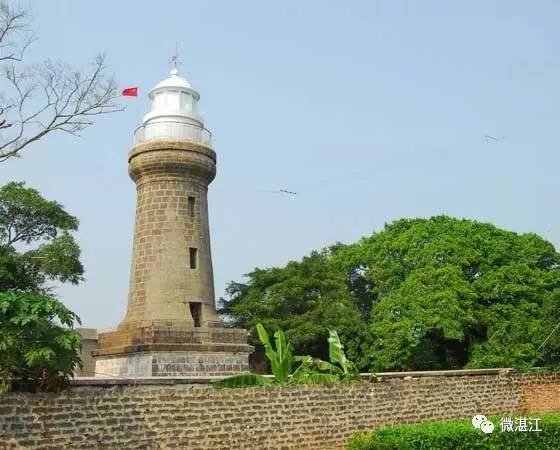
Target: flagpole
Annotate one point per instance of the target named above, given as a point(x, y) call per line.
point(133, 92)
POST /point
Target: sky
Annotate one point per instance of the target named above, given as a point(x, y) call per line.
point(370, 110)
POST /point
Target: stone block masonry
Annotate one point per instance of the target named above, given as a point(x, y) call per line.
point(174, 414)
point(89, 345)
point(545, 398)
point(171, 319)
point(171, 179)
point(173, 364)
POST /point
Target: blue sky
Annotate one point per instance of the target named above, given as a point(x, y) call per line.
point(371, 111)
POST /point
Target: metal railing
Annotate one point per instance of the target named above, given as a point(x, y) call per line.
point(172, 130)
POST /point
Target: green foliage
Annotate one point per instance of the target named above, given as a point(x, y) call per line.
point(459, 435)
point(288, 368)
point(282, 362)
point(280, 355)
point(339, 368)
point(27, 218)
point(39, 349)
point(243, 380)
point(433, 293)
point(344, 366)
point(452, 293)
point(309, 376)
point(305, 299)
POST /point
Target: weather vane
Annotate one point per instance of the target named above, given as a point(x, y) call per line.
point(175, 61)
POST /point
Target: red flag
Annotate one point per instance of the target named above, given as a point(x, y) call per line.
point(130, 92)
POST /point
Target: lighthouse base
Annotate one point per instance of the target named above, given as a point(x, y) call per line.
point(171, 364)
point(159, 351)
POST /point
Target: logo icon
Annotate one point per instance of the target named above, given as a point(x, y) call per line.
point(480, 422)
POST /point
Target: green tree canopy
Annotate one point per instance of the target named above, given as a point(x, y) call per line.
point(38, 347)
point(421, 294)
point(35, 241)
point(304, 298)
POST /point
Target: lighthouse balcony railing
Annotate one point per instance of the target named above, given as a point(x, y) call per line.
point(175, 131)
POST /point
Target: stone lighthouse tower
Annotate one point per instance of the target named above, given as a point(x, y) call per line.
point(171, 326)
point(172, 165)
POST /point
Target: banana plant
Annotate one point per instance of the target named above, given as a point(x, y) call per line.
point(314, 371)
point(338, 368)
point(282, 362)
point(307, 370)
point(280, 355)
point(345, 368)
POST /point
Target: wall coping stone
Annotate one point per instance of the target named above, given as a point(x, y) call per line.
point(442, 373)
point(87, 333)
point(117, 381)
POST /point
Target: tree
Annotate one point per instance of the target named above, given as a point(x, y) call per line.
point(35, 241)
point(304, 298)
point(38, 99)
point(39, 350)
point(431, 294)
point(451, 293)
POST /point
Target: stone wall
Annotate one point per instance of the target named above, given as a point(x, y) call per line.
point(542, 398)
point(178, 414)
point(89, 345)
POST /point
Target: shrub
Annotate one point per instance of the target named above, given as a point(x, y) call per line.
point(460, 435)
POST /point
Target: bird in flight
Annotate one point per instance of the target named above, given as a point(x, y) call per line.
point(492, 138)
point(281, 191)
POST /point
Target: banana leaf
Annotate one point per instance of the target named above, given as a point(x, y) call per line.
point(317, 378)
point(281, 358)
point(337, 356)
point(243, 380)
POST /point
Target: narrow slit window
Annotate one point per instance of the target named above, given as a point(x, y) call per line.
point(193, 254)
point(191, 207)
point(196, 312)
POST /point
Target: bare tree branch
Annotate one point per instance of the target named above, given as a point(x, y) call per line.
point(40, 99)
point(15, 35)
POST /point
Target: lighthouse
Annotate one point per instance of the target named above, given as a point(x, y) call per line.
point(172, 164)
point(171, 326)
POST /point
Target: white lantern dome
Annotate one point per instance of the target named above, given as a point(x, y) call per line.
point(173, 112)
